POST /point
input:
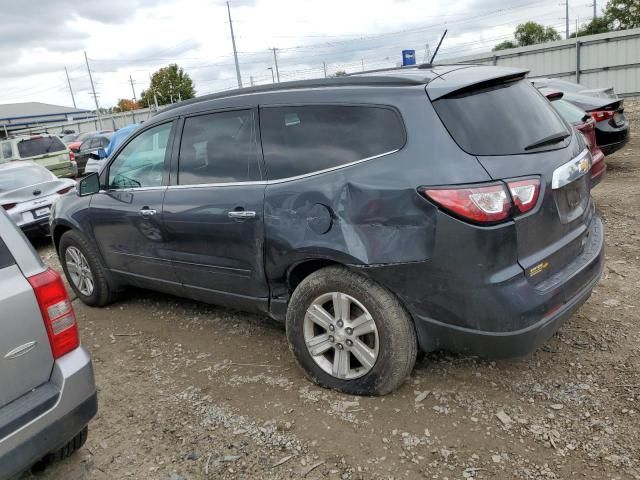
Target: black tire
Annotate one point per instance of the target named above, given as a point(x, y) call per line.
point(103, 291)
point(397, 342)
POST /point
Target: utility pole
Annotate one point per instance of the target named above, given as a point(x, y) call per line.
point(235, 52)
point(362, 60)
point(273, 78)
point(595, 9)
point(251, 80)
point(155, 97)
point(93, 89)
point(566, 31)
point(133, 89)
point(324, 66)
point(73, 99)
point(275, 61)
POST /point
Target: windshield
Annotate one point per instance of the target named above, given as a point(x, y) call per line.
point(12, 178)
point(501, 119)
point(39, 146)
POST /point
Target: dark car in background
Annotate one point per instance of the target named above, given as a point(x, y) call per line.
point(604, 106)
point(74, 145)
point(89, 147)
point(376, 214)
point(583, 122)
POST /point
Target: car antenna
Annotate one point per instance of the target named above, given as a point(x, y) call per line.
point(433, 57)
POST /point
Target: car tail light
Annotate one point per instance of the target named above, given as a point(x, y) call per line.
point(9, 206)
point(524, 193)
point(481, 204)
point(57, 312)
point(72, 156)
point(602, 115)
point(65, 190)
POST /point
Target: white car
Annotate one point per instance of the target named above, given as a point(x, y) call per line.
point(27, 191)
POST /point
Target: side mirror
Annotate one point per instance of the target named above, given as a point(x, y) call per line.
point(89, 184)
point(102, 153)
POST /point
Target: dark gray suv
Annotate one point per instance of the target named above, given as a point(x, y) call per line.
point(442, 207)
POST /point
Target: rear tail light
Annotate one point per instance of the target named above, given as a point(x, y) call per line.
point(601, 115)
point(72, 156)
point(9, 206)
point(486, 204)
point(57, 312)
point(65, 190)
point(524, 193)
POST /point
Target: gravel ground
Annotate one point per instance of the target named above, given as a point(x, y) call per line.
point(190, 391)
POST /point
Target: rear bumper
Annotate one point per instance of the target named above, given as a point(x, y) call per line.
point(68, 170)
point(611, 139)
point(508, 317)
point(76, 405)
point(37, 227)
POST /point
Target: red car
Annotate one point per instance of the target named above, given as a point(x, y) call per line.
point(74, 145)
point(586, 125)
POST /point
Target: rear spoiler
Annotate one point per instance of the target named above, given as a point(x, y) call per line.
point(471, 78)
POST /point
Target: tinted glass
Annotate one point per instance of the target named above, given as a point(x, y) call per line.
point(570, 112)
point(218, 148)
point(86, 145)
point(304, 139)
point(6, 150)
point(141, 162)
point(6, 258)
point(500, 120)
point(12, 178)
point(39, 146)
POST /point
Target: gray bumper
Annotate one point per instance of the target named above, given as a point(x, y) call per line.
point(75, 407)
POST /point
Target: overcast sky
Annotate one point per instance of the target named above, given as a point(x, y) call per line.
point(135, 37)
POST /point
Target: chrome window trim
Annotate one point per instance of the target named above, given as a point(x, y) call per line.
point(283, 180)
point(133, 189)
point(572, 170)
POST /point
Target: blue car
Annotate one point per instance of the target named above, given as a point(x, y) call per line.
point(96, 162)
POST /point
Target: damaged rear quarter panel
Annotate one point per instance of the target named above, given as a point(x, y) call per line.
point(368, 213)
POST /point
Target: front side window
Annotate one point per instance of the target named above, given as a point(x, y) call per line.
point(297, 140)
point(141, 162)
point(218, 148)
point(6, 150)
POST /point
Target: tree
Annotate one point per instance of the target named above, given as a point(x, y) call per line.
point(170, 83)
point(531, 33)
point(126, 105)
point(597, 25)
point(623, 14)
point(341, 73)
point(504, 45)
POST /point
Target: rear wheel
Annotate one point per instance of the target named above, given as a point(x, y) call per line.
point(84, 270)
point(350, 334)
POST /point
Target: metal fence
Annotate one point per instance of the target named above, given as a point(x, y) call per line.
point(604, 60)
point(112, 121)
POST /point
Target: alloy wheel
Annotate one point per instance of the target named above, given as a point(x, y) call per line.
point(79, 271)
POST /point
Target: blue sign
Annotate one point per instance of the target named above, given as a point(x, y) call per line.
point(408, 57)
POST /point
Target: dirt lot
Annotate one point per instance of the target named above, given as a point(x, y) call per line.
point(189, 391)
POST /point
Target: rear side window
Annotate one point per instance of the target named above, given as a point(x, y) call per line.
point(6, 258)
point(502, 119)
point(297, 140)
point(39, 146)
point(218, 148)
point(6, 150)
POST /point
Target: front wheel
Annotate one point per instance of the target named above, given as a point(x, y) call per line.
point(350, 334)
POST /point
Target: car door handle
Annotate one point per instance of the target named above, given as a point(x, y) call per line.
point(147, 212)
point(242, 214)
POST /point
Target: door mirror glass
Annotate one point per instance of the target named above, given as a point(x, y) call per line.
point(89, 184)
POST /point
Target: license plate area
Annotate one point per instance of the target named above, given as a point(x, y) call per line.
point(572, 199)
point(41, 212)
point(618, 119)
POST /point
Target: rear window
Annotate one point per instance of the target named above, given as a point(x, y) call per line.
point(570, 112)
point(6, 258)
point(39, 146)
point(6, 150)
point(12, 178)
point(501, 119)
point(297, 140)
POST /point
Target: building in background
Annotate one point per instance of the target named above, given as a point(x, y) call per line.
point(19, 116)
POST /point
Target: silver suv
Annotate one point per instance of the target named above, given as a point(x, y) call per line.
point(47, 388)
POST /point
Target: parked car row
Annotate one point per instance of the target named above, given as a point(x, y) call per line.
point(46, 150)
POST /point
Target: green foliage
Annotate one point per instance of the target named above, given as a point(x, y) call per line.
point(597, 25)
point(169, 83)
point(340, 73)
point(532, 33)
point(623, 14)
point(505, 45)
